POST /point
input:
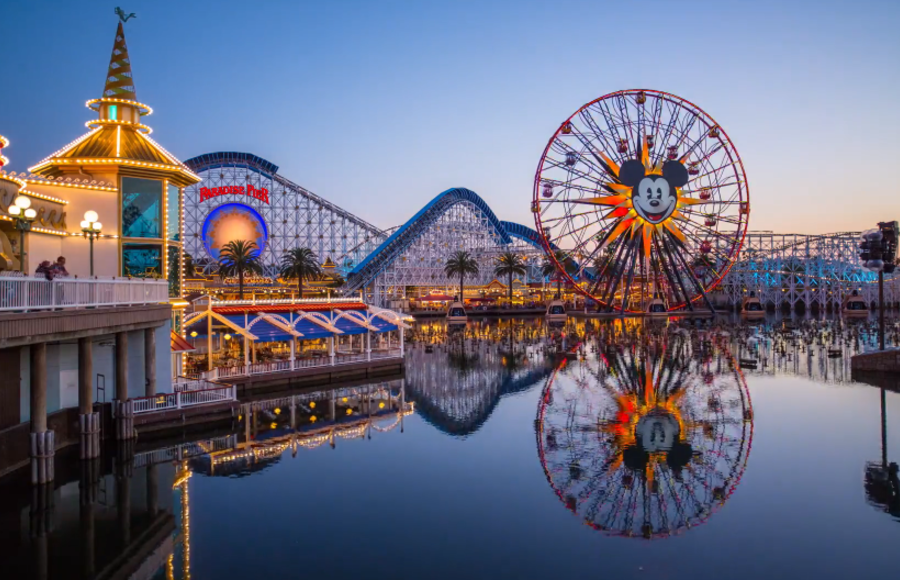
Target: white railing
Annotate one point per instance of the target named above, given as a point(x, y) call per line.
point(206, 396)
point(386, 353)
point(182, 399)
point(187, 384)
point(285, 365)
point(25, 294)
point(162, 402)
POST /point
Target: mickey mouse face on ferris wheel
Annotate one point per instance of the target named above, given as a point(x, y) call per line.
point(654, 197)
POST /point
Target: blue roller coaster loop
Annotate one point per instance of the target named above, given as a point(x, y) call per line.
point(525, 233)
point(209, 161)
point(385, 254)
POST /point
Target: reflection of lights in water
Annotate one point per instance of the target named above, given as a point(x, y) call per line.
point(646, 441)
point(182, 476)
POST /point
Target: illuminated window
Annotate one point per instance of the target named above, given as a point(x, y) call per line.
point(141, 208)
point(141, 260)
point(173, 214)
point(113, 112)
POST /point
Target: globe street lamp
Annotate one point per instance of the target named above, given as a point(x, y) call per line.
point(90, 227)
point(23, 214)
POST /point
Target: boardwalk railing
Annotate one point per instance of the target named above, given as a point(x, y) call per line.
point(27, 294)
point(220, 373)
point(184, 399)
point(182, 384)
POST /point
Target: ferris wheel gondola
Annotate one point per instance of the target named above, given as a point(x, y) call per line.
point(648, 195)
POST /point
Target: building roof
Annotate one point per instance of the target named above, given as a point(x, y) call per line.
point(323, 307)
point(119, 83)
point(114, 139)
point(179, 344)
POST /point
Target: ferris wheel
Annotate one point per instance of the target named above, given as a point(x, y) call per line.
point(647, 442)
point(641, 196)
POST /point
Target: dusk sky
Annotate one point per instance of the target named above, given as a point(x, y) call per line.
point(379, 106)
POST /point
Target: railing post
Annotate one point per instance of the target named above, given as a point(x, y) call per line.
point(178, 400)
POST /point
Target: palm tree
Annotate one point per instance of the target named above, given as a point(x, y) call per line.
point(509, 264)
point(549, 268)
point(460, 264)
point(239, 257)
point(302, 264)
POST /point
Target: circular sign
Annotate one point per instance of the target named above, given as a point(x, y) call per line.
point(233, 221)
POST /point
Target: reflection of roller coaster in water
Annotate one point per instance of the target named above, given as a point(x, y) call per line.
point(645, 441)
point(458, 378)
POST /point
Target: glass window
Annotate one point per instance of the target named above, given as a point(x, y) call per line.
point(173, 215)
point(141, 201)
point(174, 271)
point(141, 260)
point(176, 321)
point(113, 112)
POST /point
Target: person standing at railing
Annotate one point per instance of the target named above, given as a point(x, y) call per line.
point(59, 268)
point(59, 271)
point(46, 269)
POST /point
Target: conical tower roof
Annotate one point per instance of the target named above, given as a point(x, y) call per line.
point(119, 83)
point(117, 137)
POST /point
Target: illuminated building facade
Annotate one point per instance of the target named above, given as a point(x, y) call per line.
point(242, 196)
point(116, 170)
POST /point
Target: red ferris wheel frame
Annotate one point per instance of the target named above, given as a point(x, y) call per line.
point(713, 129)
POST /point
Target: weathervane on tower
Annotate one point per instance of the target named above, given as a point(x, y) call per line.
point(121, 14)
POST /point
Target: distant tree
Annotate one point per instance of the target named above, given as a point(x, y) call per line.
point(509, 265)
point(302, 264)
point(549, 269)
point(238, 258)
point(189, 265)
point(461, 264)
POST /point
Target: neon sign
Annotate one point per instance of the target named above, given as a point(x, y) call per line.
point(262, 194)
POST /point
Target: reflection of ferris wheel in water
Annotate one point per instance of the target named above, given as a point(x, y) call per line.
point(645, 191)
point(645, 443)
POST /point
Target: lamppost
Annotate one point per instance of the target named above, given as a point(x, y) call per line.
point(878, 252)
point(90, 227)
point(23, 214)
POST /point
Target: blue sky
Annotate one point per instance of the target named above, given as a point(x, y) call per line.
point(378, 106)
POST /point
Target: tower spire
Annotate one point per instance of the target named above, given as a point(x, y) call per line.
point(119, 83)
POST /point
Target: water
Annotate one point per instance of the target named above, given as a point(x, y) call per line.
point(514, 450)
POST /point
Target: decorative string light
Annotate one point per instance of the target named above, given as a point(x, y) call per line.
point(43, 196)
point(68, 184)
point(41, 230)
point(94, 104)
point(8, 177)
point(171, 157)
point(59, 152)
point(118, 124)
point(113, 161)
